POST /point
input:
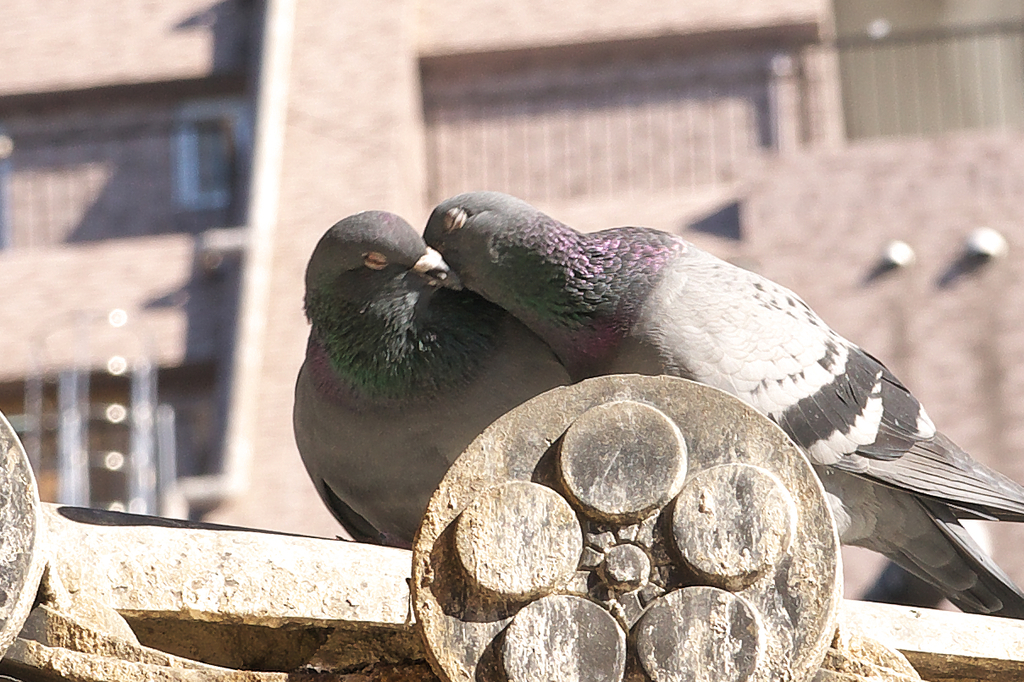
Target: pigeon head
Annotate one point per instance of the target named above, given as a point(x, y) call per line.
point(578, 292)
point(360, 245)
point(474, 227)
point(382, 326)
point(509, 252)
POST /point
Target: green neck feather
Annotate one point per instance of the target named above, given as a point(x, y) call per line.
point(407, 342)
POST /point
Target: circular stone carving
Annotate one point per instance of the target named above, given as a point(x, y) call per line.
point(732, 523)
point(626, 567)
point(564, 638)
point(794, 603)
point(622, 459)
point(518, 540)
point(699, 634)
point(21, 565)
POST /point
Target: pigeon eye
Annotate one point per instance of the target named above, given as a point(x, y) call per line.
point(454, 218)
point(375, 261)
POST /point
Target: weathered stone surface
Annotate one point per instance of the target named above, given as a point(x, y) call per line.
point(518, 540)
point(39, 663)
point(700, 634)
point(254, 647)
point(622, 460)
point(855, 657)
point(230, 597)
point(732, 524)
point(354, 648)
point(794, 600)
point(21, 563)
point(55, 629)
point(626, 567)
point(600, 539)
point(564, 638)
point(71, 637)
point(341, 607)
point(29, 658)
point(76, 621)
point(943, 645)
point(147, 567)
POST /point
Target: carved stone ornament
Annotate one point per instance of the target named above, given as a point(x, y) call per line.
point(21, 564)
point(628, 528)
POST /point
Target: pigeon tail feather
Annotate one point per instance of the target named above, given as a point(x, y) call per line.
point(990, 592)
point(941, 470)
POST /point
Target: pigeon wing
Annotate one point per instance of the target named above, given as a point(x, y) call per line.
point(733, 329)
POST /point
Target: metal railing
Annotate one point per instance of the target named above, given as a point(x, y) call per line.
point(928, 82)
point(560, 133)
point(98, 438)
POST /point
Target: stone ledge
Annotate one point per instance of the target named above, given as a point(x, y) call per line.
point(944, 645)
point(202, 601)
point(130, 597)
point(232, 597)
point(147, 567)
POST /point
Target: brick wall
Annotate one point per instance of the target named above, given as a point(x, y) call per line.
point(99, 174)
point(51, 45)
point(486, 25)
point(183, 314)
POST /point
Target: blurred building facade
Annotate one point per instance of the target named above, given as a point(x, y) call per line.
point(166, 169)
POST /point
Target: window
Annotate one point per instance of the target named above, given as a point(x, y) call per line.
point(921, 67)
point(207, 141)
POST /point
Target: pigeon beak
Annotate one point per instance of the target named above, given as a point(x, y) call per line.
point(432, 266)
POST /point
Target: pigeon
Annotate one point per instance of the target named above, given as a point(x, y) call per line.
point(638, 300)
point(400, 375)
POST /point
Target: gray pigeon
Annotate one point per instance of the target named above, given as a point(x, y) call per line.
point(634, 299)
point(400, 375)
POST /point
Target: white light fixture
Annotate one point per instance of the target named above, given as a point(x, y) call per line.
point(879, 28)
point(899, 254)
point(986, 243)
point(117, 317)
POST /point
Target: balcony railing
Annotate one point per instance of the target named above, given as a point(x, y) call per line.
point(551, 133)
point(929, 82)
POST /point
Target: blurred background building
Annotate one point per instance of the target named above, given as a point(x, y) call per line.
point(167, 167)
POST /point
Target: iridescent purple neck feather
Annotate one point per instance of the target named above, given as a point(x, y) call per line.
point(581, 293)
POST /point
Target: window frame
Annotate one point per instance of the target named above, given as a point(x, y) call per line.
point(188, 194)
